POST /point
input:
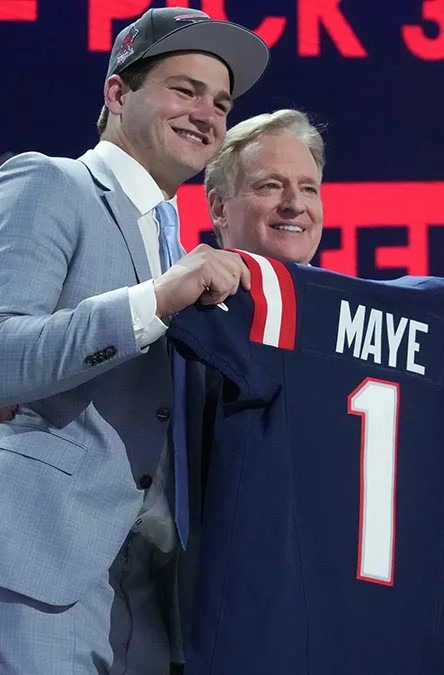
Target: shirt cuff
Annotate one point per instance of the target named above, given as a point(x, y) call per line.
point(147, 326)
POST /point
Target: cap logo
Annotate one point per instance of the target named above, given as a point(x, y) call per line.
point(126, 48)
point(192, 18)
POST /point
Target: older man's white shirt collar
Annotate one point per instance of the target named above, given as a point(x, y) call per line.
point(138, 185)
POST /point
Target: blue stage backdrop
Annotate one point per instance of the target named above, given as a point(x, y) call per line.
point(372, 71)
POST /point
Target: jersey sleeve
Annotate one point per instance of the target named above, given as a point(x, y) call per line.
point(251, 331)
point(220, 338)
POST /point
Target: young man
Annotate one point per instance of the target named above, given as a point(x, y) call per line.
point(85, 247)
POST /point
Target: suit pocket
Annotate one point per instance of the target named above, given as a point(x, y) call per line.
point(46, 447)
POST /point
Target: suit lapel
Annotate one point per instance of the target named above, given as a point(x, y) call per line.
point(122, 211)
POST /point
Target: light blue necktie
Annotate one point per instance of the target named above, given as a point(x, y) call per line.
point(170, 252)
point(169, 247)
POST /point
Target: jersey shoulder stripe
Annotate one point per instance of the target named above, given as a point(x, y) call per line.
point(274, 301)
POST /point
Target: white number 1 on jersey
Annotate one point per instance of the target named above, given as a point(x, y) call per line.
point(377, 402)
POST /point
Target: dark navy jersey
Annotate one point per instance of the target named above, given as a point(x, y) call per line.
point(323, 541)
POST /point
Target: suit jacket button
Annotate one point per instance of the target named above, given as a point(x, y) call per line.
point(91, 360)
point(163, 414)
point(145, 481)
point(110, 351)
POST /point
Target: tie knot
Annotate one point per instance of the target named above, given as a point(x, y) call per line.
point(166, 214)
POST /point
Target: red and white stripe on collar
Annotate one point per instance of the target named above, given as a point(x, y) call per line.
point(274, 298)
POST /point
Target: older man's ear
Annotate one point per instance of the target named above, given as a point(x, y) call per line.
point(217, 209)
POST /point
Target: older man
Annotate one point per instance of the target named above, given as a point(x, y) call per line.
point(264, 185)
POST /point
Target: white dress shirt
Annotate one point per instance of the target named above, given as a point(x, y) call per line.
point(141, 188)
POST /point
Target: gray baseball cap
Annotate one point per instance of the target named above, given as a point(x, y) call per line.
point(174, 29)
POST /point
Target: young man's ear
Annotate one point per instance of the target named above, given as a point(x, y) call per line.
point(114, 90)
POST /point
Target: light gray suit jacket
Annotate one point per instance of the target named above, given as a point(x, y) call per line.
point(94, 410)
